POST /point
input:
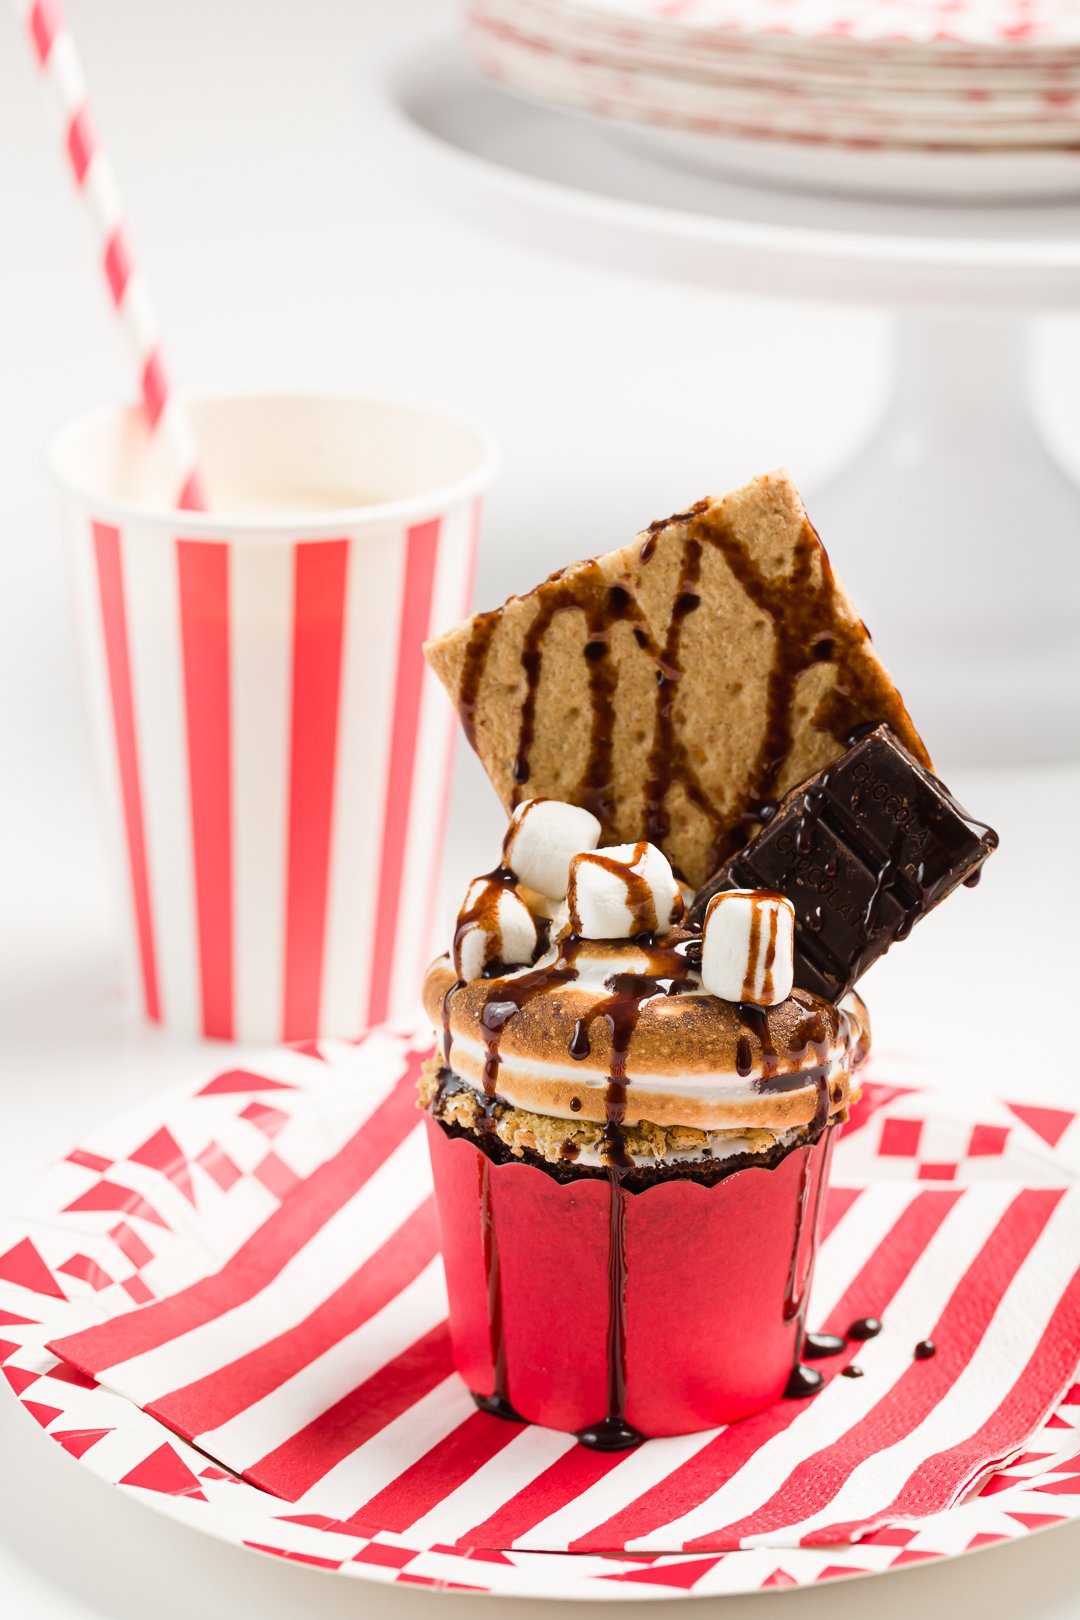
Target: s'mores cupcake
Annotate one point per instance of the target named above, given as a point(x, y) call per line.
point(633, 1098)
point(601, 1099)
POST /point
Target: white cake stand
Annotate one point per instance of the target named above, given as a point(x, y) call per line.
point(956, 482)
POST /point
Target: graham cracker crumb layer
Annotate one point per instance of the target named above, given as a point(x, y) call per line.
point(559, 1141)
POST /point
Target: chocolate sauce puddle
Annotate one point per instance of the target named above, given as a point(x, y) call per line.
point(819, 1346)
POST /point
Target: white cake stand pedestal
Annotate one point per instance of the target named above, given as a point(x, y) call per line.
point(956, 482)
point(984, 527)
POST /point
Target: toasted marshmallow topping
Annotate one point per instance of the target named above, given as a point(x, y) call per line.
point(598, 1007)
point(543, 837)
point(552, 1037)
point(622, 891)
point(748, 947)
point(493, 926)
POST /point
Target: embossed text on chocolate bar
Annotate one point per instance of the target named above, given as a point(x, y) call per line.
point(862, 851)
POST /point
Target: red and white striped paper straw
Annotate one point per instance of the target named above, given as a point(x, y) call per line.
point(56, 55)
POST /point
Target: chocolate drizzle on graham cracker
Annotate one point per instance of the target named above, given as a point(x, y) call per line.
point(774, 565)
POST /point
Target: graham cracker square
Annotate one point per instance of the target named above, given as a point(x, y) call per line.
point(680, 686)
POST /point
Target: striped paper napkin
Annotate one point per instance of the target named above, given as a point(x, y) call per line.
point(315, 1361)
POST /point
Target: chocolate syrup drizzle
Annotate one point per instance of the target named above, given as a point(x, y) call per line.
point(914, 887)
point(498, 1402)
point(669, 970)
point(640, 900)
point(810, 625)
point(483, 915)
point(620, 1010)
point(805, 1380)
point(819, 1346)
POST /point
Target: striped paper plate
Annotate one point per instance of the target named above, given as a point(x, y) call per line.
point(160, 1204)
point(1013, 26)
point(963, 98)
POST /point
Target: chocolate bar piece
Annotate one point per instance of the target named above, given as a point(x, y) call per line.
point(863, 850)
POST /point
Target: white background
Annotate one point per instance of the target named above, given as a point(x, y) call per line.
point(285, 248)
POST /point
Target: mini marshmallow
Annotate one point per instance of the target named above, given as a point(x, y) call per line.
point(748, 947)
point(623, 891)
point(493, 926)
point(542, 838)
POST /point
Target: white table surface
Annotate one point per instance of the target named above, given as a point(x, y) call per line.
point(285, 249)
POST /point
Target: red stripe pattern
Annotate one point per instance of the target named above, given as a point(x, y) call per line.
point(117, 265)
point(315, 1362)
point(110, 580)
point(249, 946)
point(81, 143)
point(155, 387)
point(45, 23)
point(203, 569)
point(320, 574)
point(420, 559)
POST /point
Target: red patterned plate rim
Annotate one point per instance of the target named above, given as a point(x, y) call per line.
point(118, 1243)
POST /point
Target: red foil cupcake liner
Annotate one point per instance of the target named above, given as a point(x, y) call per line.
point(583, 1307)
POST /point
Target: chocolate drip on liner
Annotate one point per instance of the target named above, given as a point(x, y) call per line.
point(805, 1381)
point(795, 1294)
point(498, 1402)
point(669, 973)
point(620, 1010)
point(613, 1432)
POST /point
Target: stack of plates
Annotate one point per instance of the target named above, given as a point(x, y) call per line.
point(752, 82)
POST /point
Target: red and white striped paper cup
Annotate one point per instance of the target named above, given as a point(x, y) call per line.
point(274, 755)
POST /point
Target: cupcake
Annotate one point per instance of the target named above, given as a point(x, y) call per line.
point(602, 1126)
point(634, 1093)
